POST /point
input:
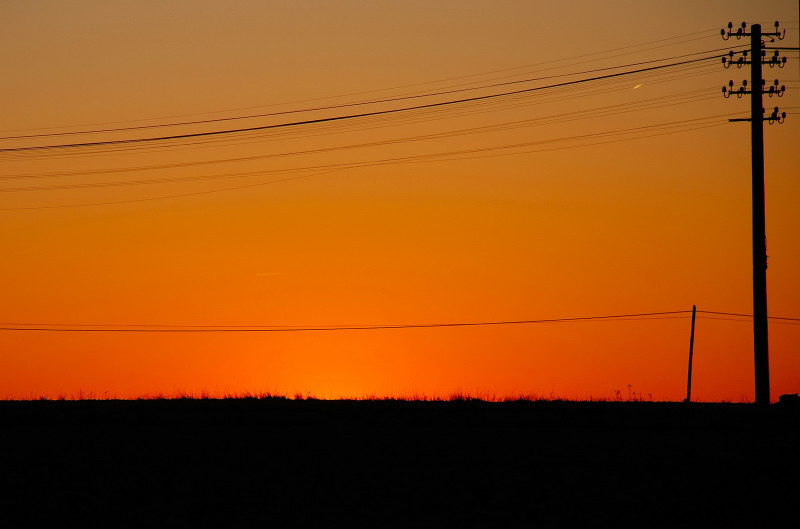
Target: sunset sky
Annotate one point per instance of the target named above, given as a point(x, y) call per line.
point(624, 195)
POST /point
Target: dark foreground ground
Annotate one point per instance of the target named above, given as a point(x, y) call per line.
point(319, 463)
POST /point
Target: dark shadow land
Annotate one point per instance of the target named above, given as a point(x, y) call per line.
point(386, 463)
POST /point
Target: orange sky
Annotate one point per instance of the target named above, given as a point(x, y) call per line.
point(584, 227)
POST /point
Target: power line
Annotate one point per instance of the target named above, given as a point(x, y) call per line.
point(349, 105)
point(168, 197)
point(370, 123)
point(746, 320)
point(258, 328)
point(88, 185)
point(594, 60)
point(602, 111)
point(592, 54)
point(162, 328)
point(745, 315)
point(350, 116)
point(436, 157)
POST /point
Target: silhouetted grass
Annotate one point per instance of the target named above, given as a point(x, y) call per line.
point(457, 396)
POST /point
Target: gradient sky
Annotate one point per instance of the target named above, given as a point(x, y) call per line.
point(577, 227)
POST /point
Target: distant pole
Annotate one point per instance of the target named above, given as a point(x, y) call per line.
point(691, 350)
point(757, 90)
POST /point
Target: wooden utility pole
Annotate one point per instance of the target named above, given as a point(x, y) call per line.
point(760, 332)
point(691, 351)
point(757, 118)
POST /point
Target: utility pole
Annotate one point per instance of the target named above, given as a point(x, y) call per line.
point(691, 352)
point(757, 117)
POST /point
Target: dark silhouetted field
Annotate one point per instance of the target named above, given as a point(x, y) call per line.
point(300, 463)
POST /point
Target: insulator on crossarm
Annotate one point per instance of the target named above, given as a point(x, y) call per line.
point(775, 117)
point(726, 35)
point(727, 61)
point(778, 33)
point(727, 91)
point(742, 90)
point(777, 60)
point(742, 60)
point(775, 89)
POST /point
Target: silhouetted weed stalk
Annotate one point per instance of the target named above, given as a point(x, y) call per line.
point(632, 396)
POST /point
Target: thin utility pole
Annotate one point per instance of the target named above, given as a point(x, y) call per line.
point(691, 351)
point(757, 90)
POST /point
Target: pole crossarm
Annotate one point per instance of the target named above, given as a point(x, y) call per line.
point(741, 33)
point(772, 118)
point(775, 60)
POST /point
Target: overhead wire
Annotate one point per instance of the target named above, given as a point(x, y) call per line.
point(354, 104)
point(166, 197)
point(602, 111)
point(442, 156)
point(745, 315)
point(415, 159)
point(39, 148)
point(458, 154)
point(337, 167)
point(739, 320)
point(266, 328)
point(366, 123)
point(166, 328)
point(591, 54)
